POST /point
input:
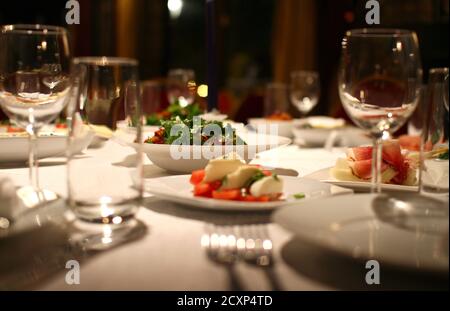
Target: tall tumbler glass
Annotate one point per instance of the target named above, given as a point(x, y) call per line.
point(108, 189)
point(434, 147)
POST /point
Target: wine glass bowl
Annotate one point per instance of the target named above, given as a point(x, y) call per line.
point(181, 86)
point(380, 78)
point(304, 90)
point(35, 73)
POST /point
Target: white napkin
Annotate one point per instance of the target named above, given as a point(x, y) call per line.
point(10, 205)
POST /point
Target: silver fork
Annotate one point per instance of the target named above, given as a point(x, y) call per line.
point(221, 247)
point(251, 243)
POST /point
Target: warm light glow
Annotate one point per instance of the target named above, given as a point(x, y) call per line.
point(202, 90)
point(175, 7)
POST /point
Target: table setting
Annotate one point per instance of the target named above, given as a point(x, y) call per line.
point(186, 199)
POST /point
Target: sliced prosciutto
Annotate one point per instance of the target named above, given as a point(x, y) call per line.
point(363, 168)
point(360, 153)
point(360, 161)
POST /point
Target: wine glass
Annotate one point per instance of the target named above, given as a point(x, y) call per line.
point(181, 86)
point(304, 90)
point(380, 79)
point(34, 87)
point(275, 99)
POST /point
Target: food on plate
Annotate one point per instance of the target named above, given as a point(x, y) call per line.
point(174, 110)
point(196, 131)
point(279, 116)
point(231, 179)
point(397, 168)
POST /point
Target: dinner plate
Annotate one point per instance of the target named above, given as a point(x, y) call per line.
point(359, 186)
point(16, 148)
point(404, 231)
point(178, 189)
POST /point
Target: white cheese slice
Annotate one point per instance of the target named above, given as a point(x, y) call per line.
point(240, 177)
point(267, 186)
point(217, 169)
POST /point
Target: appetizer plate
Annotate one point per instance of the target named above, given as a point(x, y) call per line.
point(197, 157)
point(405, 231)
point(178, 189)
point(15, 148)
point(358, 186)
point(263, 126)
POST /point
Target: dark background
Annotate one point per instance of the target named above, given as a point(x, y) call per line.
point(248, 49)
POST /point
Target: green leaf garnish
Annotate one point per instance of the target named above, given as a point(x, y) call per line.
point(299, 196)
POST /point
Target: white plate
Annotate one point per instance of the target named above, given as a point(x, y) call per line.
point(359, 186)
point(178, 189)
point(15, 149)
point(353, 226)
point(348, 136)
point(161, 155)
point(264, 126)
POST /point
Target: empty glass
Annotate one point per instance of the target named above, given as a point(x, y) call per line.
point(379, 83)
point(304, 90)
point(181, 86)
point(107, 191)
point(34, 86)
point(435, 165)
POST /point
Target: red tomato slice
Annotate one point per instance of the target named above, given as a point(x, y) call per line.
point(13, 129)
point(230, 195)
point(203, 190)
point(267, 173)
point(61, 126)
point(197, 177)
point(215, 184)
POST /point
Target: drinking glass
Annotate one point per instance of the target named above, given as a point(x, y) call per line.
point(151, 96)
point(434, 146)
point(181, 86)
point(380, 78)
point(276, 99)
point(304, 90)
point(107, 191)
point(34, 86)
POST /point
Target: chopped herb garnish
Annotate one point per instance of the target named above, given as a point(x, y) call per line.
point(258, 176)
point(299, 196)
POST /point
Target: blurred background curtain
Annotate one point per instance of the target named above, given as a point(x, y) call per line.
point(294, 38)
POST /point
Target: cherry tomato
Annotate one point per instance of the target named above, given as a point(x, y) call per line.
point(197, 177)
point(230, 195)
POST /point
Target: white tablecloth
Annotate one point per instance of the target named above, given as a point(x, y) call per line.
point(169, 256)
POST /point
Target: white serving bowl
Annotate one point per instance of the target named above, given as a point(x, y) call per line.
point(16, 148)
point(265, 126)
point(168, 157)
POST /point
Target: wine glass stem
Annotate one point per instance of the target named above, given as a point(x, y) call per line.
point(376, 164)
point(32, 161)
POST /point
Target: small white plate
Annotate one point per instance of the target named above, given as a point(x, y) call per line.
point(363, 226)
point(359, 186)
point(178, 189)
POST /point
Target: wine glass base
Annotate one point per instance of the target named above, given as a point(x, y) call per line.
point(97, 237)
point(32, 197)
